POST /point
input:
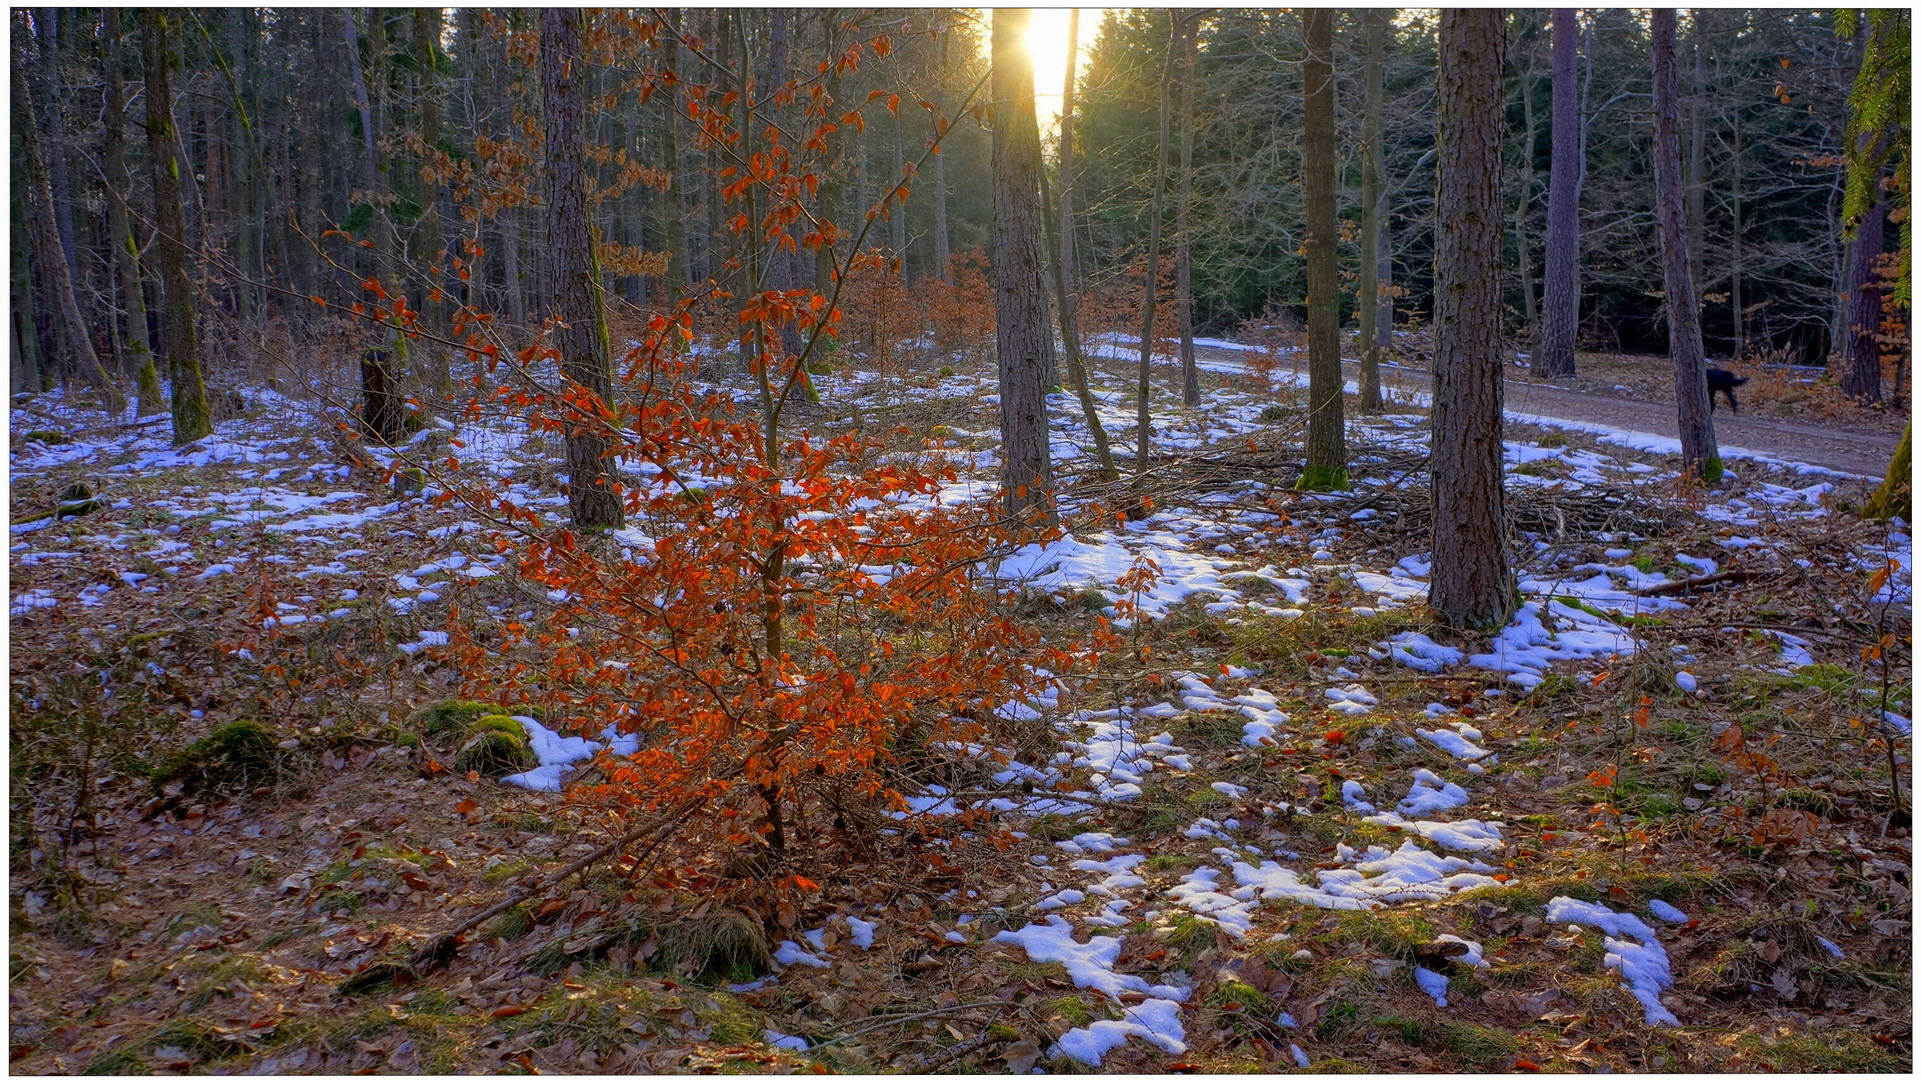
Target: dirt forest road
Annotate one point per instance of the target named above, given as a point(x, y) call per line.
point(1864, 453)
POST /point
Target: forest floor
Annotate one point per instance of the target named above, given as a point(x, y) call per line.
point(1294, 825)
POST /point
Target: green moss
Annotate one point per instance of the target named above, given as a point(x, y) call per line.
point(499, 722)
point(512, 924)
point(452, 716)
point(495, 753)
point(1238, 995)
point(1322, 478)
point(1070, 1008)
point(233, 757)
point(51, 438)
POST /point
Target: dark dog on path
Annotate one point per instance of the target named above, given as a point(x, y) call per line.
point(1726, 382)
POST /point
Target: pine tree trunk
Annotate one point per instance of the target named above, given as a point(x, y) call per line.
point(1861, 353)
point(1894, 496)
point(178, 341)
point(1327, 465)
point(29, 368)
point(1368, 292)
point(1470, 582)
point(1144, 429)
point(1184, 195)
point(1737, 318)
point(136, 355)
point(1561, 279)
point(1699, 455)
point(70, 324)
point(1020, 304)
point(573, 274)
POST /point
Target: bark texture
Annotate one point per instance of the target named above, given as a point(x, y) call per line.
point(1470, 583)
point(178, 341)
point(136, 353)
point(1562, 272)
point(1862, 307)
point(1699, 454)
point(1020, 304)
point(1327, 465)
point(574, 276)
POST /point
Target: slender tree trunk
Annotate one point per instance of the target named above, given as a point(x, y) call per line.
point(1562, 277)
point(1737, 318)
point(1144, 429)
point(382, 415)
point(1021, 305)
point(1698, 148)
point(898, 214)
point(431, 247)
point(52, 89)
point(1368, 294)
point(574, 274)
point(1861, 352)
point(1699, 455)
point(1327, 465)
point(1470, 583)
point(178, 342)
point(1184, 195)
point(137, 357)
point(941, 254)
point(1061, 239)
point(70, 324)
point(29, 364)
point(1531, 322)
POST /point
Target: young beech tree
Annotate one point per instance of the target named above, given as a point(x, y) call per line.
point(1327, 466)
point(1699, 455)
point(784, 620)
point(1561, 270)
point(1470, 583)
point(1020, 304)
point(1144, 428)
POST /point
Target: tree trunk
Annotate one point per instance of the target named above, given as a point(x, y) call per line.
point(1061, 240)
point(29, 367)
point(1368, 293)
point(573, 275)
point(1470, 583)
point(178, 342)
point(70, 324)
point(379, 367)
point(52, 89)
point(1698, 149)
point(1699, 455)
point(1861, 352)
point(1144, 430)
point(1327, 465)
point(430, 246)
point(1562, 277)
point(1020, 305)
point(1184, 195)
point(137, 357)
point(1737, 318)
point(1531, 323)
point(941, 255)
